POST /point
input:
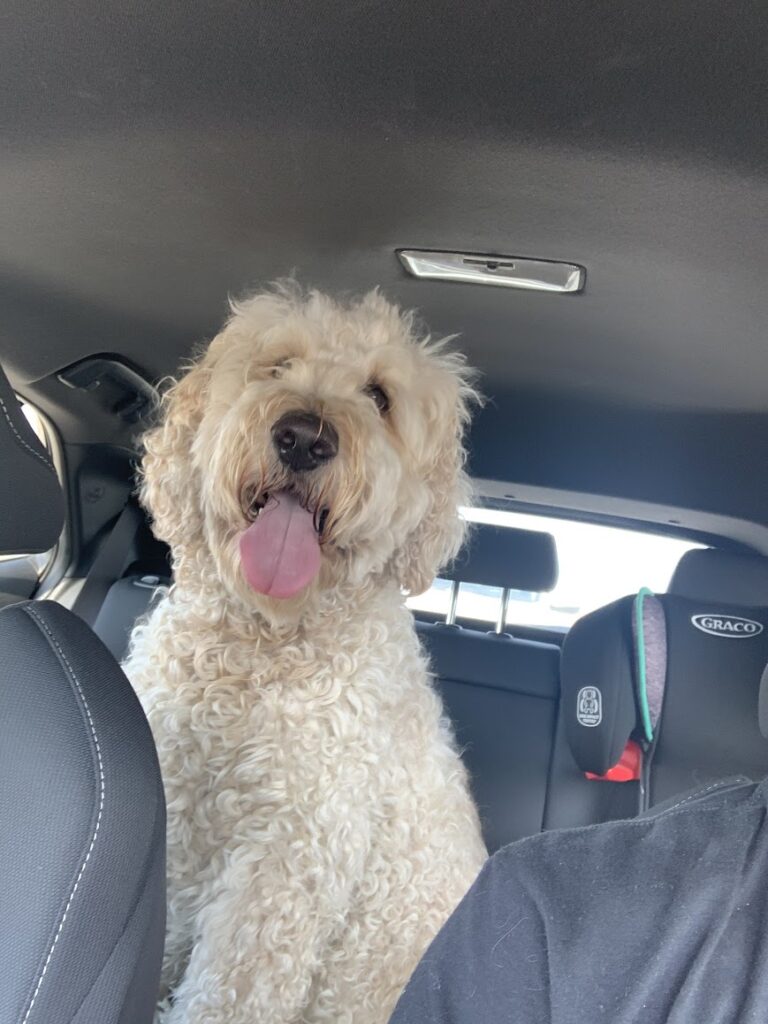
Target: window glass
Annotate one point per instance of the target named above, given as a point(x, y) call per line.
point(597, 565)
point(19, 569)
point(35, 421)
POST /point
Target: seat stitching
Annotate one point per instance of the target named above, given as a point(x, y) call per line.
point(21, 440)
point(691, 796)
point(52, 640)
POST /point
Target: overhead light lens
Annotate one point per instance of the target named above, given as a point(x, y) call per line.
point(501, 271)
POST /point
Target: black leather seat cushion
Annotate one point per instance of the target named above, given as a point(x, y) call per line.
point(82, 826)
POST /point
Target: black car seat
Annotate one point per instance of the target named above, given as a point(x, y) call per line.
point(676, 677)
point(501, 692)
point(82, 816)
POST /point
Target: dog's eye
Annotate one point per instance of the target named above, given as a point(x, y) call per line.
point(379, 395)
point(279, 367)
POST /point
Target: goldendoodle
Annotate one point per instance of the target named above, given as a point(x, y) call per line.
point(307, 474)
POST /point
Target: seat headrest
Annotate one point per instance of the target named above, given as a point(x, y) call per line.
point(500, 556)
point(31, 500)
point(712, 575)
point(620, 663)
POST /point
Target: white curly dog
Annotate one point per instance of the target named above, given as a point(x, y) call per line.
point(307, 471)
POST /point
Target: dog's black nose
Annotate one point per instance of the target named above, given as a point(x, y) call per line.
point(304, 441)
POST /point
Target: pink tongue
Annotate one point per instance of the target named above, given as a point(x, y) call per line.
point(280, 552)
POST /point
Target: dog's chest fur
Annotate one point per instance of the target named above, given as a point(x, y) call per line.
point(324, 761)
point(252, 729)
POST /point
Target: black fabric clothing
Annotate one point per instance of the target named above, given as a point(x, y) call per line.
point(662, 919)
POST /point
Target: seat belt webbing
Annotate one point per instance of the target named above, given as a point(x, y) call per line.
point(109, 564)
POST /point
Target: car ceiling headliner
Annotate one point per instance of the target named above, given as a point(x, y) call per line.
point(157, 157)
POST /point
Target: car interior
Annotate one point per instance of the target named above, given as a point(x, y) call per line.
point(578, 194)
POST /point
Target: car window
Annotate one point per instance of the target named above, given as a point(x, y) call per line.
point(20, 572)
point(35, 421)
point(597, 565)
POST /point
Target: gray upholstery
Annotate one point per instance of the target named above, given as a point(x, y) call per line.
point(498, 556)
point(153, 164)
point(713, 575)
point(31, 502)
point(501, 693)
point(126, 601)
point(82, 830)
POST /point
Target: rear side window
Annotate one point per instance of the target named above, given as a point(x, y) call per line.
point(35, 421)
point(19, 573)
point(598, 564)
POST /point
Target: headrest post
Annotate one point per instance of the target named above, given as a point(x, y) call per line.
point(450, 618)
point(501, 622)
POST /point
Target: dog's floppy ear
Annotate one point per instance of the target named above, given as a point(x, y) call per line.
point(437, 538)
point(169, 489)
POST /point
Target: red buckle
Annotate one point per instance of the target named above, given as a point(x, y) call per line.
point(627, 768)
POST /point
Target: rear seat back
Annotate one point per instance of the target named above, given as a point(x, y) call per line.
point(500, 692)
point(706, 655)
point(501, 695)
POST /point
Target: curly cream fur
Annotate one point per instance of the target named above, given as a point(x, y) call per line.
point(319, 824)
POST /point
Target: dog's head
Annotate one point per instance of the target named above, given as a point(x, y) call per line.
point(311, 445)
